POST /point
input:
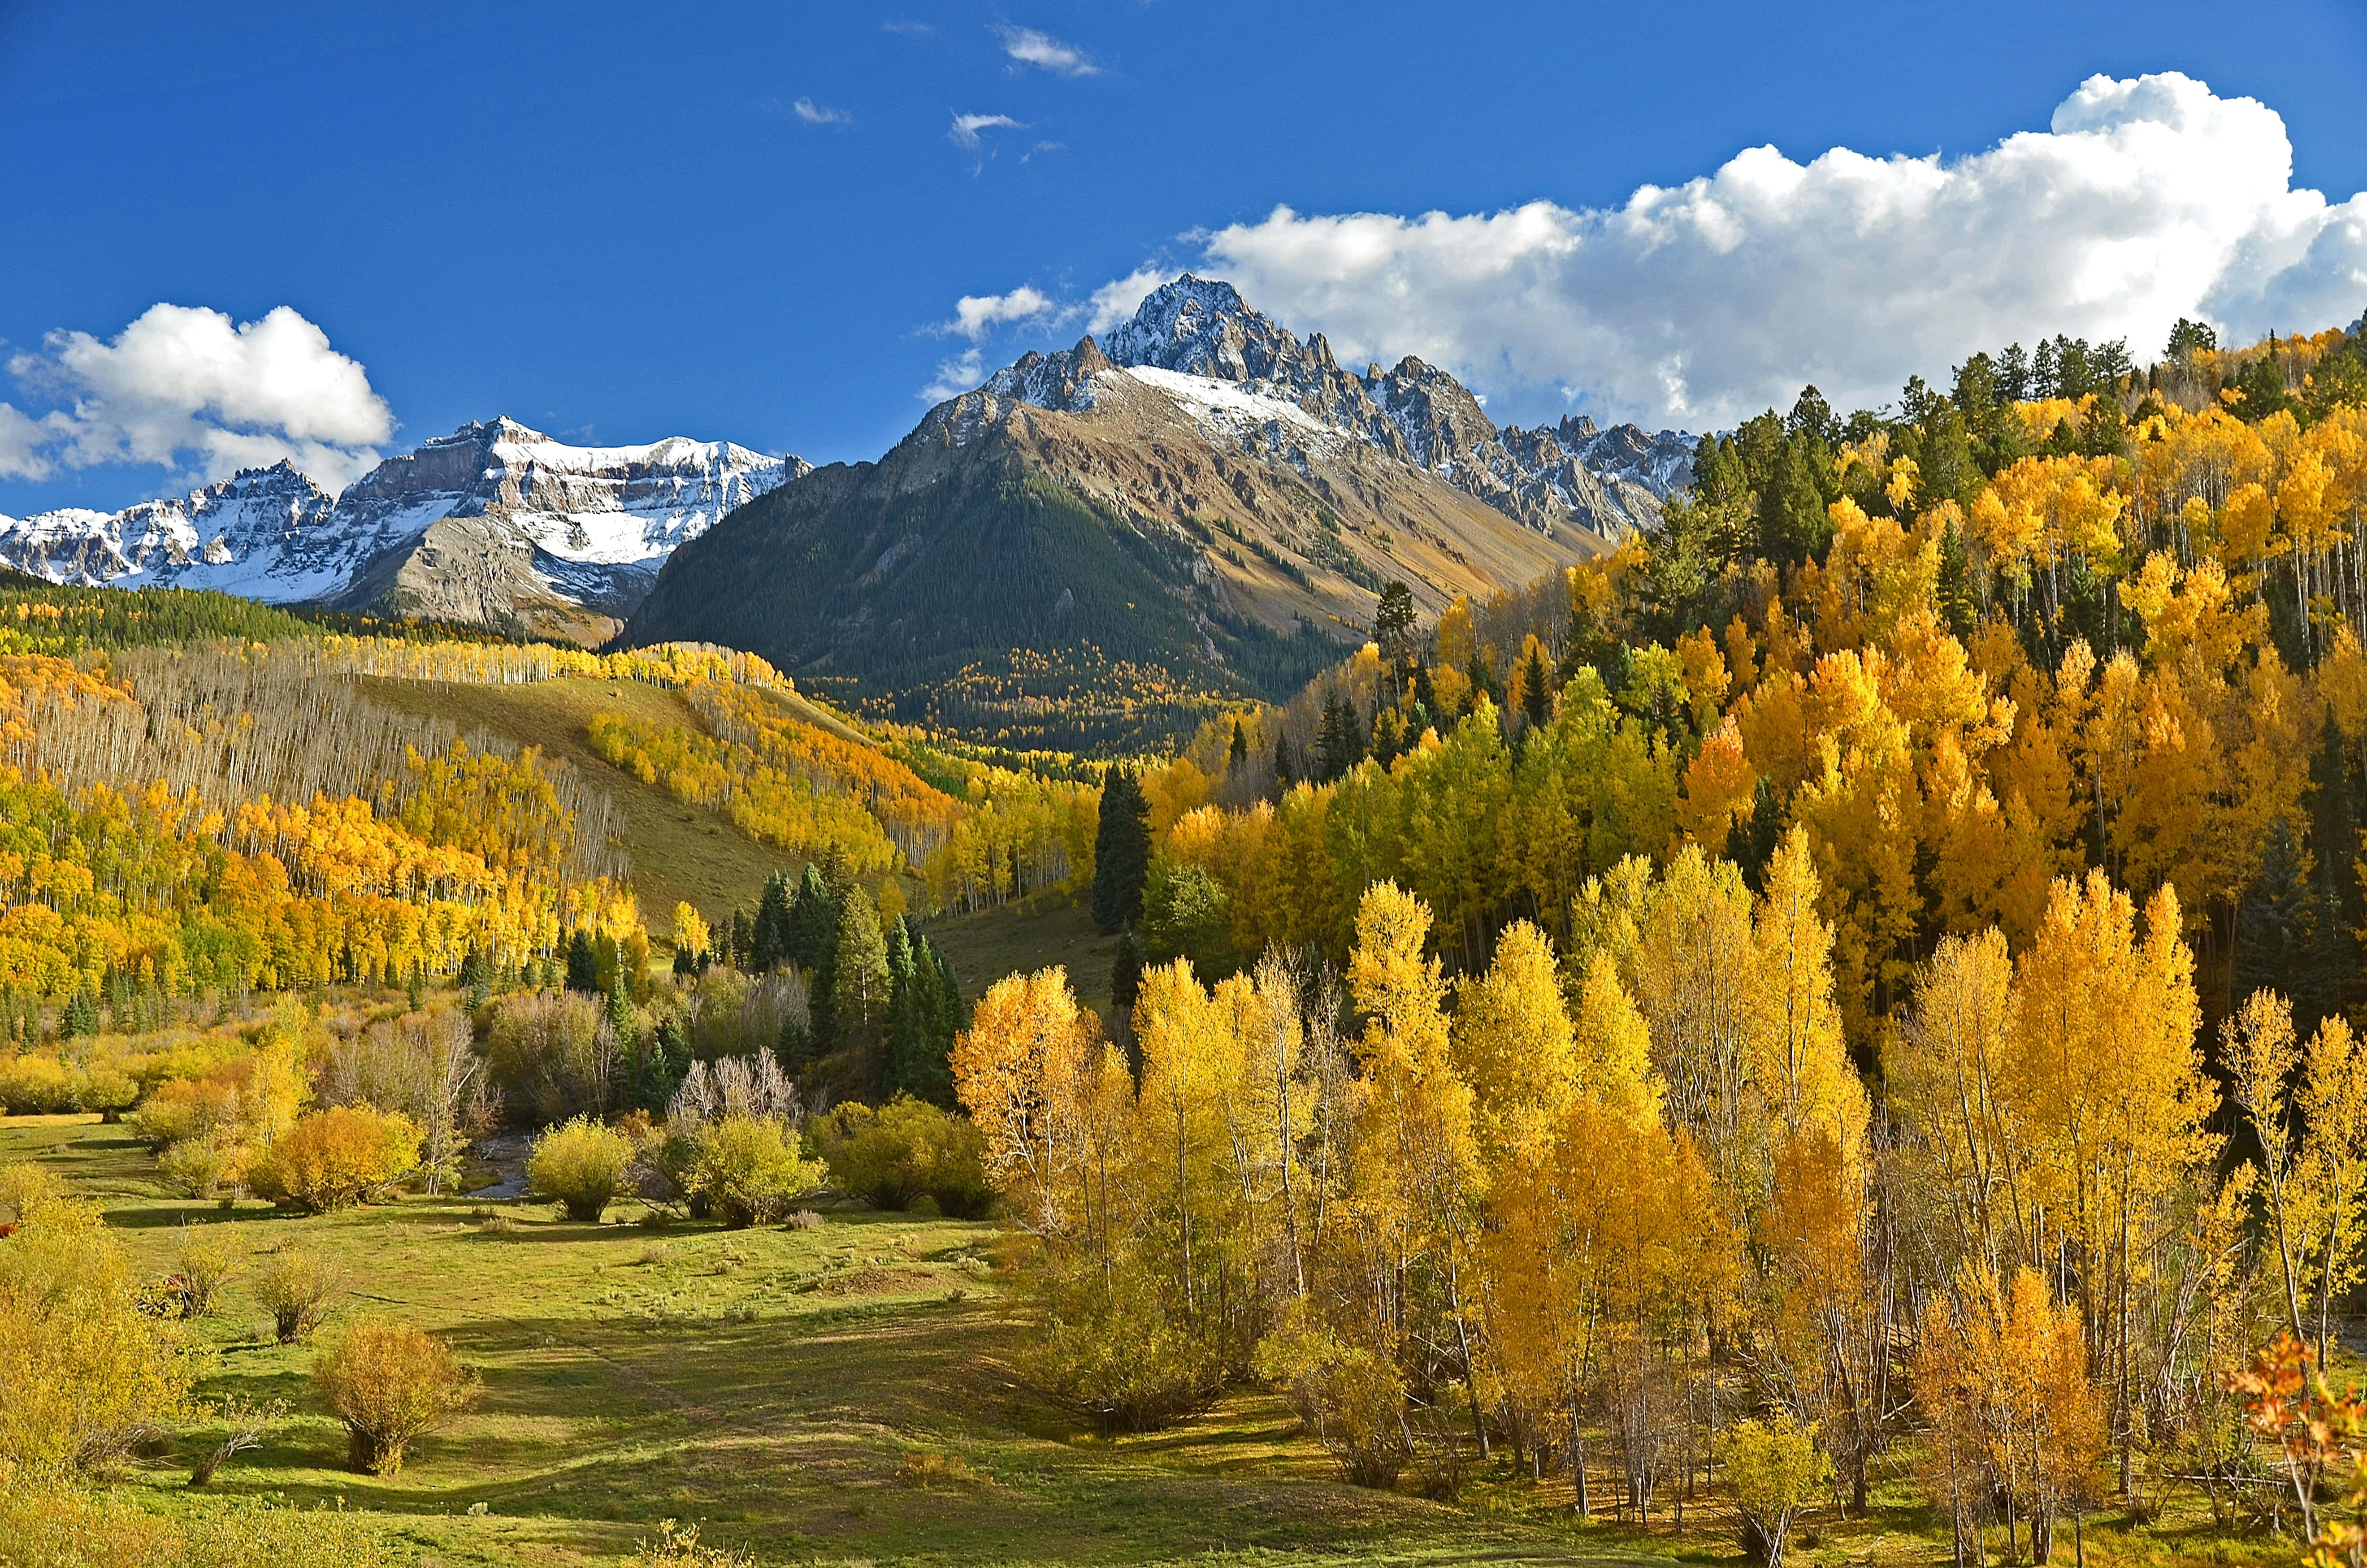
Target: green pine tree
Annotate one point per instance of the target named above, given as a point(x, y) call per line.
point(583, 962)
point(1121, 852)
point(768, 940)
point(812, 917)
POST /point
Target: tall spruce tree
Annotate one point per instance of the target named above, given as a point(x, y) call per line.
point(769, 940)
point(813, 917)
point(583, 962)
point(1121, 852)
point(2277, 941)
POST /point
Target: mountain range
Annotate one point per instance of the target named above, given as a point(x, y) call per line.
point(495, 525)
point(1196, 502)
point(1193, 506)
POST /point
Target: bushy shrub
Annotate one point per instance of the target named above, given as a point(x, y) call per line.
point(1350, 1398)
point(38, 1083)
point(745, 1170)
point(337, 1157)
point(203, 1262)
point(580, 1166)
point(86, 1376)
point(296, 1288)
point(1111, 1352)
point(182, 1112)
point(194, 1167)
point(109, 1092)
point(390, 1382)
point(905, 1149)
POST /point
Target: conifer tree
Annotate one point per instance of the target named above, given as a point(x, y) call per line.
point(2276, 933)
point(1284, 775)
point(1126, 973)
point(811, 919)
point(1121, 852)
point(1238, 751)
point(768, 942)
point(80, 1014)
point(583, 962)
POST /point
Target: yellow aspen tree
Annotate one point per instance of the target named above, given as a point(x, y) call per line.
point(1951, 1088)
point(2257, 1043)
point(1039, 1084)
point(1513, 1044)
point(2333, 1106)
point(1417, 1180)
point(1799, 1060)
point(1693, 973)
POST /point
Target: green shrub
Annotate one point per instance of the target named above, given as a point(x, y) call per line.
point(745, 1170)
point(390, 1382)
point(337, 1157)
point(906, 1149)
point(203, 1262)
point(193, 1168)
point(296, 1287)
point(581, 1166)
point(1110, 1351)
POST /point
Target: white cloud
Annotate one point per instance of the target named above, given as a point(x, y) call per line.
point(21, 440)
point(2143, 201)
point(975, 315)
point(1025, 46)
point(967, 127)
point(956, 376)
point(814, 114)
point(187, 388)
point(1116, 301)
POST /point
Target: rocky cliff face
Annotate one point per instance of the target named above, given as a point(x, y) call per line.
point(1608, 482)
point(491, 524)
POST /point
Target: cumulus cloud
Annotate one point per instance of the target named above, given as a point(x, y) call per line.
point(814, 114)
point(964, 132)
point(187, 389)
point(975, 315)
point(1025, 46)
point(2142, 201)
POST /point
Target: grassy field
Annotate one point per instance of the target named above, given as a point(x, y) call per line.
point(843, 1393)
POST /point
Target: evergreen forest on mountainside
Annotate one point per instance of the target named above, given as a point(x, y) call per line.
point(1827, 1033)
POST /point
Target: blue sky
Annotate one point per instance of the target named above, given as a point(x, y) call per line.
point(615, 223)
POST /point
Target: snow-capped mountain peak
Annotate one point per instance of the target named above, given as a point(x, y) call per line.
point(574, 525)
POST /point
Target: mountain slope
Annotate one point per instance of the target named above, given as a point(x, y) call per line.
point(493, 524)
point(1099, 544)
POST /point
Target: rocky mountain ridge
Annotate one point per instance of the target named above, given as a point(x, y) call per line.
point(1609, 481)
point(495, 523)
